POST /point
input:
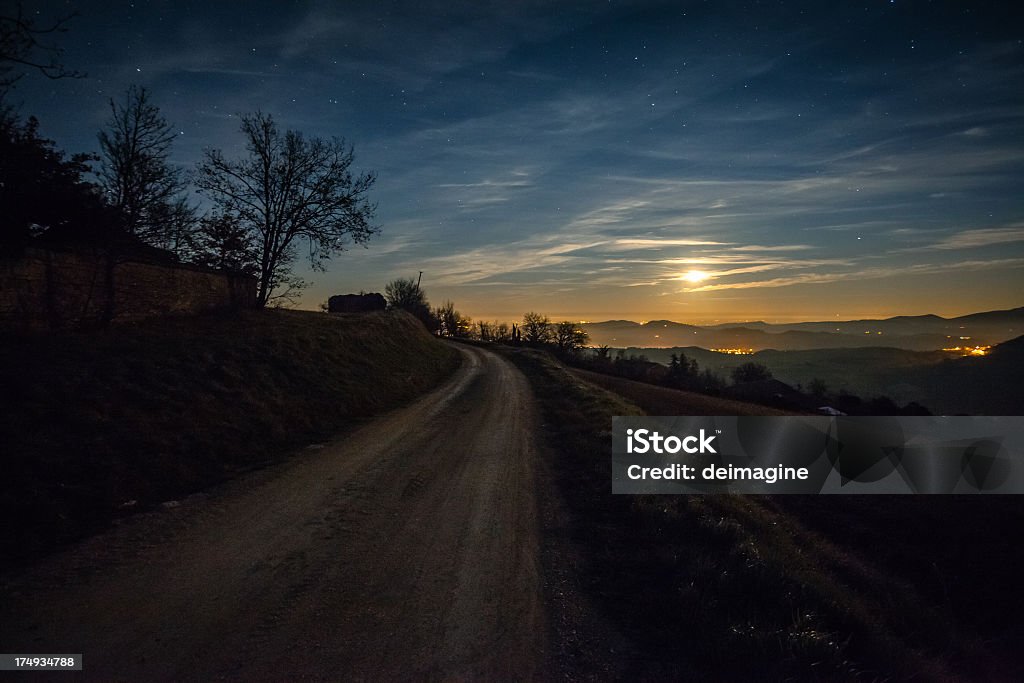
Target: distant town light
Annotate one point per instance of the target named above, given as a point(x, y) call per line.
point(969, 350)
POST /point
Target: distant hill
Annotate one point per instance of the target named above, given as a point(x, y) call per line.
point(916, 333)
point(867, 372)
point(989, 385)
point(992, 384)
point(995, 326)
point(1010, 350)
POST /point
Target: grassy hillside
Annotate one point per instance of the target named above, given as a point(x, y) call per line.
point(651, 398)
point(945, 384)
point(867, 372)
point(989, 385)
point(96, 423)
point(729, 587)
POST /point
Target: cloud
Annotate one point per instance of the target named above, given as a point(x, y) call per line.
point(633, 243)
point(489, 184)
point(776, 247)
point(983, 237)
point(482, 264)
point(867, 273)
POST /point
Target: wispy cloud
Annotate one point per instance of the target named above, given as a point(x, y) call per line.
point(660, 243)
point(868, 273)
point(983, 237)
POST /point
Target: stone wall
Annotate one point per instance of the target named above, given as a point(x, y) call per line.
point(67, 289)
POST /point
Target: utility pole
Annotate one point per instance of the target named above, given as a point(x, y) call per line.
point(418, 280)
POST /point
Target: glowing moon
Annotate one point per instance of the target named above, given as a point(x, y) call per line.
point(695, 276)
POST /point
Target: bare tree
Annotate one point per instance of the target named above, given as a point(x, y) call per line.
point(136, 174)
point(290, 191)
point(569, 338)
point(405, 294)
point(27, 45)
point(451, 323)
point(500, 332)
point(537, 328)
point(493, 331)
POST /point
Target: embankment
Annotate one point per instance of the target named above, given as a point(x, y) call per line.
point(733, 587)
point(98, 424)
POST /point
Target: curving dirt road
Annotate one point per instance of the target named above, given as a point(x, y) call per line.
point(407, 549)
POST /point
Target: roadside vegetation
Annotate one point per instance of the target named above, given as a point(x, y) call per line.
point(658, 400)
point(765, 588)
point(97, 424)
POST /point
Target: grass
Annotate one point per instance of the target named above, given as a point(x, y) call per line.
point(95, 423)
point(727, 587)
point(655, 400)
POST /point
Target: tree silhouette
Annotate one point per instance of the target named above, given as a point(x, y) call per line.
point(289, 191)
point(536, 328)
point(406, 295)
point(219, 242)
point(500, 332)
point(44, 193)
point(818, 388)
point(27, 45)
point(451, 323)
point(710, 383)
point(136, 175)
point(569, 338)
point(682, 371)
point(750, 372)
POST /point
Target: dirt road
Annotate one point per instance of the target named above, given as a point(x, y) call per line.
point(407, 549)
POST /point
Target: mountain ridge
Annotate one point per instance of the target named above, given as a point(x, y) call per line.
point(920, 333)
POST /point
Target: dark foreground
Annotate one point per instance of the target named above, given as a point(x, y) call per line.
point(407, 550)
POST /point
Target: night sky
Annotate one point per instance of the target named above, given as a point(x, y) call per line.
point(690, 161)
